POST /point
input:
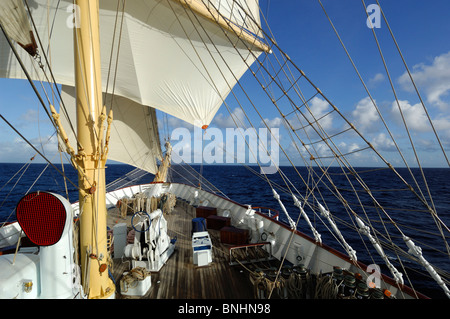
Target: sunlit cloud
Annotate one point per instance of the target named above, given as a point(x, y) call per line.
point(433, 78)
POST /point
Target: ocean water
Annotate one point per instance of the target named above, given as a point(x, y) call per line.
point(242, 185)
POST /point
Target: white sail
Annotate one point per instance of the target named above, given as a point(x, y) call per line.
point(14, 21)
point(182, 64)
point(134, 131)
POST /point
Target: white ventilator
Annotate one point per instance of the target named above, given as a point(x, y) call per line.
point(47, 271)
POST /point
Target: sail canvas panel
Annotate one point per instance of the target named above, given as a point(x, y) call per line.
point(169, 58)
point(14, 21)
point(134, 131)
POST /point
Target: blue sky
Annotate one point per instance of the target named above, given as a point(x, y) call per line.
point(302, 30)
point(421, 29)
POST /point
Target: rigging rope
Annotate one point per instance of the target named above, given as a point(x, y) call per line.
point(414, 84)
point(358, 179)
point(432, 209)
point(313, 123)
point(53, 80)
point(37, 151)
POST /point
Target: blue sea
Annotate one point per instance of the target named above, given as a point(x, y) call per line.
point(242, 185)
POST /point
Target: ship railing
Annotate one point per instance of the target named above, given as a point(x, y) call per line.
point(270, 212)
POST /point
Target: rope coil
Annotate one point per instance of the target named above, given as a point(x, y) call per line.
point(131, 279)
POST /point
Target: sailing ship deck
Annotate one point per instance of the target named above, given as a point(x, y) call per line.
point(180, 278)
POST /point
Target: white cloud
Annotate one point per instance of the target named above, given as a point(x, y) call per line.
point(383, 143)
point(17, 150)
point(319, 108)
point(236, 118)
point(47, 145)
point(345, 148)
point(365, 115)
point(434, 78)
point(30, 116)
point(275, 122)
point(318, 114)
point(417, 120)
point(442, 123)
point(318, 150)
point(378, 78)
point(175, 122)
point(414, 116)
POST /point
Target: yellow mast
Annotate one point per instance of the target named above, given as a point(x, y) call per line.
point(91, 156)
point(208, 12)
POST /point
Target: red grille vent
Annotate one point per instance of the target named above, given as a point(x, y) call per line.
point(42, 217)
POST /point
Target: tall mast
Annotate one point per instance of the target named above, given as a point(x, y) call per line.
point(91, 157)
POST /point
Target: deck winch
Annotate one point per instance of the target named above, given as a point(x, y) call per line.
point(150, 250)
point(152, 245)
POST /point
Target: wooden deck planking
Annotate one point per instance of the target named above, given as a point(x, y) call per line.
point(180, 278)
